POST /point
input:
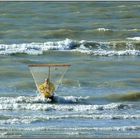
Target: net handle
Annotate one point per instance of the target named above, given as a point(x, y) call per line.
point(49, 65)
point(49, 75)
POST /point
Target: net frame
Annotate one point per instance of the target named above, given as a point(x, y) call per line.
point(66, 66)
point(49, 65)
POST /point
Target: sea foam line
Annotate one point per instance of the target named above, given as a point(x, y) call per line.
point(134, 38)
point(37, 48)
point(109, 52)
point(65, 103)
point(113, 128)
point(83, 46)
point(42, 118)
point(104, 29)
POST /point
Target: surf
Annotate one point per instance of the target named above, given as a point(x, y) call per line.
point(130, 46)
point(52, 74)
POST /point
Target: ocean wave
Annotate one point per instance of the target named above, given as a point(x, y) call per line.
point(93, 116)
point(103, 29)
point(110, 31)
point(43, 118)
point(117, 30)
point(71, 132)
point(15, 121)
point(113, 128)
point(36, 103)
point(110, 53)
point(134, 38)
point(2, 134)
point(87, 47)
point(74, 133)
point(130, 96)
point(123, 128)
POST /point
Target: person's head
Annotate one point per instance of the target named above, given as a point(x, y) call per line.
point(47, 80)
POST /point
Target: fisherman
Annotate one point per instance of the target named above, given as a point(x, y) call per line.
point(47, 89)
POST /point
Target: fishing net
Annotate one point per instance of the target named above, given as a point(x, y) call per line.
point(55, 73)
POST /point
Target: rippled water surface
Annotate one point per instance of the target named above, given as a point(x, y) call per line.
point(99, 95)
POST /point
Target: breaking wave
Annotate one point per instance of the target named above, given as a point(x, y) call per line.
point(113, 128)
point(123, 128)
point(134, 38)
point(69, 103)
point(103, 29)
point(43, 118)
point(119, 48)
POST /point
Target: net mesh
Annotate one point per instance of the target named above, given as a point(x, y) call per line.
point(55, 73)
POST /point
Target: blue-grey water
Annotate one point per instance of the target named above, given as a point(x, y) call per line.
point(100, 93)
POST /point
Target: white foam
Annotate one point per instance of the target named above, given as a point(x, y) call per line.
point(110, 52)
point(3, 134)
point(42, 118)
point(113, 128)
point(36, 48)
point(15, 121)
point(83, 46)
point(103, 29)
point(31, 48)
point(133, 38)
point(134, 30)
point(36, 103)
point(118, 30)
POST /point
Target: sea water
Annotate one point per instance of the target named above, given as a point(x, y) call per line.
point(100, 93)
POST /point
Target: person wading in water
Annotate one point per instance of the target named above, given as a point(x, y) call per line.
point(47, 89)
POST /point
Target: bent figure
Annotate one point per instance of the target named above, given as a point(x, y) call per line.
point(47, 89)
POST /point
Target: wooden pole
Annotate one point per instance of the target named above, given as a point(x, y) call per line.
point(49, 65)
point(49, 74)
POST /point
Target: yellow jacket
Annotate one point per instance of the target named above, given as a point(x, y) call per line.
point(47, 89)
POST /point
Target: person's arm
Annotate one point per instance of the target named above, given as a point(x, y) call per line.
point(41, 88)
point(47, 90)
point(52, 87)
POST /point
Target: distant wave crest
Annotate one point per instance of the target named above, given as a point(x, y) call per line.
point(119, 48)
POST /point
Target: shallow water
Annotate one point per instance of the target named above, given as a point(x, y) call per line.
point(99, 95)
